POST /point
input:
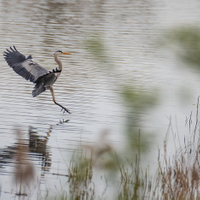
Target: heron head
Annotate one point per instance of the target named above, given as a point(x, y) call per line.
point(61, 52)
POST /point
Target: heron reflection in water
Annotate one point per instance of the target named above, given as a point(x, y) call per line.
point(28, 69)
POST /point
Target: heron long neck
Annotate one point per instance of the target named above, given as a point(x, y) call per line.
point(59, 64)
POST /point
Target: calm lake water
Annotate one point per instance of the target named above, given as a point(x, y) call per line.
point(130, 31)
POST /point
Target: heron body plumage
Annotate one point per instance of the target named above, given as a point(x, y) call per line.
point(28, 69)
point(44, 82)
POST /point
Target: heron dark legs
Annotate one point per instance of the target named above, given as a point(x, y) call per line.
point(63, 108)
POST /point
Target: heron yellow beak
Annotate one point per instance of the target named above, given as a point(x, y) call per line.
point(66, 53)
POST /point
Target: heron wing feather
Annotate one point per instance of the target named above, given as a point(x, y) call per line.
point(23, 66)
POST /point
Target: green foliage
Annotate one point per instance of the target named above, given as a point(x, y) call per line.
point(133, 184)
point(80, 177)
point(137, 102)
point(96, 47)
point(187, 39)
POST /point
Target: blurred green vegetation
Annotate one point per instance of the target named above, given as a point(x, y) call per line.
point(80, 174)
point(136, 101)
point(186, 41)
point(95, 45)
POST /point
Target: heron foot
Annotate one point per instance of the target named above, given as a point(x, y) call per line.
point(62, 107)
point(65, 110)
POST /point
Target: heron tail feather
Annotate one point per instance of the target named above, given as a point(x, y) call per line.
point(38, 89)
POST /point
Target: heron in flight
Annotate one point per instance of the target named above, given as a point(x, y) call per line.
point(28, 69)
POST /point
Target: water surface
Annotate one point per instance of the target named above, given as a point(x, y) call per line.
point(130, 30)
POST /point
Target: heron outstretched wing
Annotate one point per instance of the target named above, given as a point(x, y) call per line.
point(23, 66)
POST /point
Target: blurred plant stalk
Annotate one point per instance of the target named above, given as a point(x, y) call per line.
point(24, 170)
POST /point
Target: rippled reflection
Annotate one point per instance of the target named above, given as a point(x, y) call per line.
point(38, 146)
point(35, 147)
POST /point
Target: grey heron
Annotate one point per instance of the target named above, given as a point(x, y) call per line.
point(28, 69)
